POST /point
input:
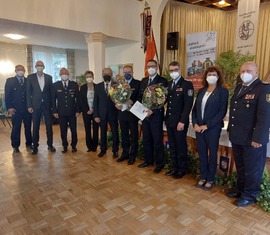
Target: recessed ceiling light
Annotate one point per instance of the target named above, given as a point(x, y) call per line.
point(221, 4)
point(14, 36)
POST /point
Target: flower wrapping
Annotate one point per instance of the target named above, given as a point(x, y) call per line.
point(154, 96)
point(120, 92)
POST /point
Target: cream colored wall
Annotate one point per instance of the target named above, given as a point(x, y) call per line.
point(10, 55)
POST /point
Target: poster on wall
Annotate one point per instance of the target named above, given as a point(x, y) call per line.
point(201, 53)
point(247, 23)
point(118, 69)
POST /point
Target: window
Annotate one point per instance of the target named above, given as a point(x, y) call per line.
point(53, 58)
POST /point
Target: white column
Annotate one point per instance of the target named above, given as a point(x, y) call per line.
point(96, 53)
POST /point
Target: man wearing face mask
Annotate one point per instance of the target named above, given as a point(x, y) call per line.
point(128, 121)
point(179, 104)
point(248, 128)
point(65, 106)
point(87, 92)
point(153, 125)
point(105, 112)
point(39, 103)
point(15, 98)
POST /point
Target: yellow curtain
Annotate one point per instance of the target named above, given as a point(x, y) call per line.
point(186, 18)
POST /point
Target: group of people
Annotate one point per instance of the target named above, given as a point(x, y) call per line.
point(36, 96)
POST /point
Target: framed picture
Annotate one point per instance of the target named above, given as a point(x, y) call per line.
point(118, 69)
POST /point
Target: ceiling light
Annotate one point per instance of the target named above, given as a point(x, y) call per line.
point(221, 2)
point(14, 36)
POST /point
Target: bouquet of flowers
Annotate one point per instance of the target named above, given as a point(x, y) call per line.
point(154, 96)
point(120, 92)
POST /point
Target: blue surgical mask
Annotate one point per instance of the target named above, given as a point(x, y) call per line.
point(127, 76)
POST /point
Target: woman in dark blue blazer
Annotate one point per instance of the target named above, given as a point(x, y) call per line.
point(207, 118)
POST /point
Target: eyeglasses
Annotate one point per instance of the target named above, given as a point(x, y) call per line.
point(151, 66)
point(173, 70)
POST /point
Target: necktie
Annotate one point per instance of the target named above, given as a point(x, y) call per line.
point(106, 88)
point(65, 85)
point(243, 88)
point(149, 81)
point(173, 85)
point(21, 81)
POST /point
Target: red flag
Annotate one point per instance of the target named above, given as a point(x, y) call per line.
point(151, 51)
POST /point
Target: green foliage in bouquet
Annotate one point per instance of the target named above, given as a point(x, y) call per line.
point(120, 92)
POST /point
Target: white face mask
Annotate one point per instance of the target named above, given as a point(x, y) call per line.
point(152, 71)
point(212, 80)
point(246, 77)
point(20, 73)
point(89, 80)
point(64, 77)
point(39, 68)
point(174, 75)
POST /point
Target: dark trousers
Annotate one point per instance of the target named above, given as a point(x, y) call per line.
point(129, 136)
point(91, 131)
point(153, 142)
point(178, 148)
point(71, 122)
point(17, 119)
point(249, 164)
point(207, 145)
point(36, 116)
point(103, 135)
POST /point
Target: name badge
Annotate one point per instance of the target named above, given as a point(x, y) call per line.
point(59, 90)
point(249, 96)
point(179, 89)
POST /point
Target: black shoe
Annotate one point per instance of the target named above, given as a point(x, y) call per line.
point(34, 151)
point(179, 175)
point(64, 150)
point(94, 149)
point(157, 170)
point(243, 202)
point(115, 155)
point(171, 172)
point(122, 158)
point(131, 161)
point(16, 150)
point(51, 149)
point(29, 146)
point(145, 164)
point(102, 153)
point(233, 194)
point(74, 150)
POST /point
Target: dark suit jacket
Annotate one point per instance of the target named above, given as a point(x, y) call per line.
point(126, 115)
point(104, 107)
point(158, 114)
point(15, 94)
point(250, 114)
point(179, 103)
point(83, 98)
point(65, 102)
point(34, 94)
point(215, 108)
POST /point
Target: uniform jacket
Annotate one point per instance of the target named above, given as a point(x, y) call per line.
point(250, 114)
point(158, 114)
point(34, 94)
point(65, 102)
point(104, 107)
point(15, 94)
point(126, 115)
point(179, 102)
point(215, 108)
point(83, 96)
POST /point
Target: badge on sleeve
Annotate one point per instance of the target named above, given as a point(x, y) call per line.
point(268, 98)
point(190, 92)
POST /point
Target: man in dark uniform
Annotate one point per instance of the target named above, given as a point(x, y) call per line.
point(15, 98)
point(152, 125)
point(249, 133)
point(128, 121)
point(65, 105)
point(179, 105)
point(39, 90)
point(105, 112)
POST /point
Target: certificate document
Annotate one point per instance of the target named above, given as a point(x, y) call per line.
point(139, 110)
